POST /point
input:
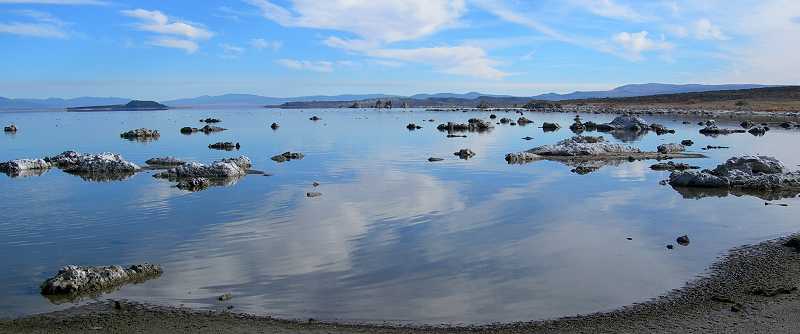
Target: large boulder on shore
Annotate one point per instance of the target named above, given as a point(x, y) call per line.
point(225, 168)
point(73, 280)
point(745, 172)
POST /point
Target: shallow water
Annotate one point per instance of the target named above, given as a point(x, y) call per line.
point(393, 238)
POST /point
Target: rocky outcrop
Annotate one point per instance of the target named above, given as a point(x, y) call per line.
point(713, 130)
point(464, 153)
point(11, 128)
point(94, 167)
point(586, 148)
point(745, 172)
point(141, 134)
point(670, 148)
point(221, 169)
point(165, 162)
point(73, 281)
point(628, 123)
point(226, 146)
point(472, 125)
point(20, 167)
point(287, 156)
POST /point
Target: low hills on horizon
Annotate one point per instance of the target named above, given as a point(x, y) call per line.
point(632, 90)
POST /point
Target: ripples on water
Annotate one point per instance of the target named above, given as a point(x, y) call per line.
point(393, 237)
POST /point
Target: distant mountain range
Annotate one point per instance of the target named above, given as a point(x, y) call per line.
point(258, 100)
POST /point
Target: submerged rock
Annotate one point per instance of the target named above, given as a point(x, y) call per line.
point(745, 172)
point(227, 146)
point(287, 156)
point(141, 134)
point(77, 280)
point(165, 162)
point(713, 130)
point(671, 148)
point(464, 153)
point(21, 166)
point(10, 128)
point(672, 166)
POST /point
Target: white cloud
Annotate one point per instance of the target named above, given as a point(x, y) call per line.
point(459, 60)
point(308, 65)
point(157, 22)
point(705, 30)
point(377, 21)
point(634, 44)
point(261, 44)
point(54, 2)
point(610, 9)
point(231, 51)
point(42, 25)
point(182, 44)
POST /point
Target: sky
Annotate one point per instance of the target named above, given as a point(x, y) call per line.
point(173, 49)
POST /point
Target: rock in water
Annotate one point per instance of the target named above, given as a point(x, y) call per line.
point(76, 280)
point(432, 159)
point(672, 166)
point(165, 162)
point(221, 169)
point(210, 120)
point(227, 146)
point(465, 153)
point(472, 125)
point(274, 126)
point(713, 130)
point(583, 146)
point(102, 163)
point(629, 123)
point(758, 130)
point(16, 167)
point(687, 142)
point(287, 156)
point(11, 128)
point(412, 126)
point(683, 240)
point(315, 118)
point(550, 126)
point(313, 194)
point(141, 134)
point(745, 172)
point(671, 148)
point(522, 121)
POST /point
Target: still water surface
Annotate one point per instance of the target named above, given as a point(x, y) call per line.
point(393, 238)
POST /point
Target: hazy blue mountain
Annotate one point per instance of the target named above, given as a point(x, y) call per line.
point(6, 103)
point(643, 90)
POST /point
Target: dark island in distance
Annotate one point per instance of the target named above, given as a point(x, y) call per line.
point(134, 105)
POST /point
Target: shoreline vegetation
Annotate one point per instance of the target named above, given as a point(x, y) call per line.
point(752, 289)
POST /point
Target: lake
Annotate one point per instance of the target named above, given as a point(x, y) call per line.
point(393, 237)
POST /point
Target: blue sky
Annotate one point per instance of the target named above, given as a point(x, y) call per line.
point(172, 49)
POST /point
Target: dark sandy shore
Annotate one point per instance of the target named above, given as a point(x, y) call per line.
point(751, 290)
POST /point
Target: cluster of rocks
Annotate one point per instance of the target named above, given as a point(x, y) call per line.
point(714, 130)
point(93, 167)
point(745, 172)
point(220, 169)
point(73, 281)
point(211, 120)
point(141, 134)
point(287, 156)
point(206, 129)
point(11, 128)
point(226, 146)
point(472, 125)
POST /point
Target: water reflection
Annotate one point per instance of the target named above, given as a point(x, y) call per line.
point(767, 195)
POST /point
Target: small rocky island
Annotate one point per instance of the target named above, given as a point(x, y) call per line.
point(134, 105)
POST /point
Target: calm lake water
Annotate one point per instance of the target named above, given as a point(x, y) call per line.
point(393, 238)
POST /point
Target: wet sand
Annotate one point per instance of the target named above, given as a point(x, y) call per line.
point(750, 290)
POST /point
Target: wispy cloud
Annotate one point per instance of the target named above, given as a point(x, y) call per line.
point(610, 9)
point(261, 44)
point(231, 51)
point(634, 44)
point(459, 60)
point(157, 22)
point(308, 65)
point(40, 24)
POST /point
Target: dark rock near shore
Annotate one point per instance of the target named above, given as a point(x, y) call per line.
point(747, 124)
point(77, 280)
point(165, 162)
point(547, 127)
point(758, 130)
point(745, 172)
point(287, 156)
point(713, 130)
